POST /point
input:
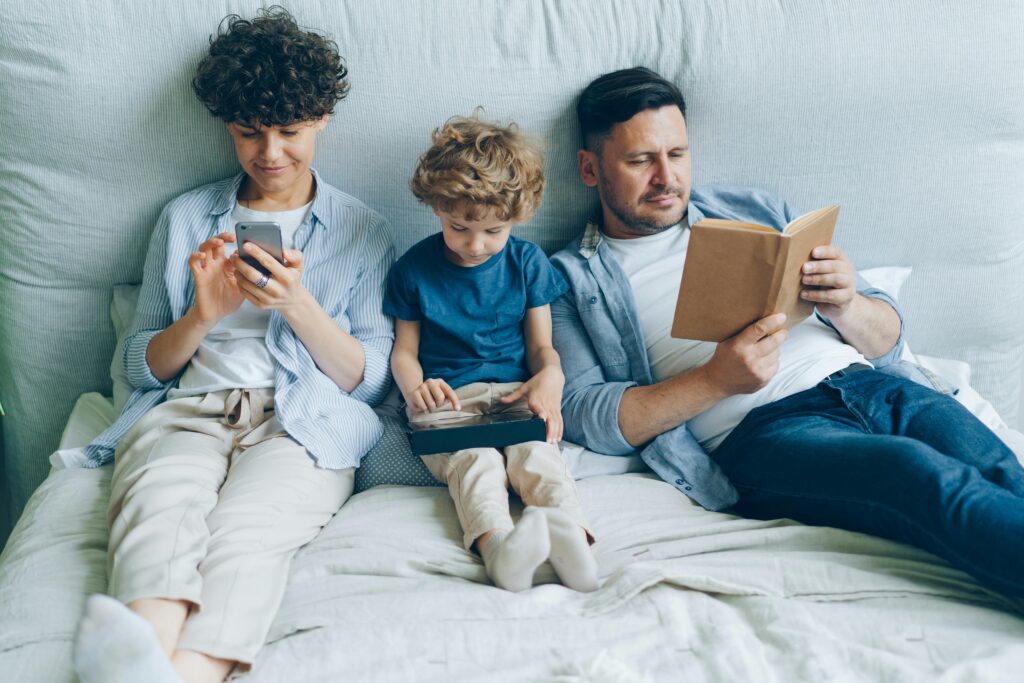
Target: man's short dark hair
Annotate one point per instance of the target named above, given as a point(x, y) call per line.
point(269, 72)
point(619, 96)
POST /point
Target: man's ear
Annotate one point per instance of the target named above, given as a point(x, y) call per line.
point(587, 161)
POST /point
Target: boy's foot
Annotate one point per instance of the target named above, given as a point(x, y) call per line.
point(570, 553)
point(115, 645)
point(512, 557)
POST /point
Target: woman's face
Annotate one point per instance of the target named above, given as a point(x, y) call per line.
point(276, 158)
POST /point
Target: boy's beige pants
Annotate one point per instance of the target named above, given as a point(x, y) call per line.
point(478, 478)
point(210, 499)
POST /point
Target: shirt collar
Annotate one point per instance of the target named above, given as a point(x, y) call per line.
point(229, 197)
point(592, 236)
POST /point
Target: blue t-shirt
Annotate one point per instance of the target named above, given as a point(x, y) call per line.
point(471, 319)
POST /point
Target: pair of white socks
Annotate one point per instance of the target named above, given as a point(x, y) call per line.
point(512, 557)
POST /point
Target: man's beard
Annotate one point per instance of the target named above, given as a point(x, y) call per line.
point(633, 222)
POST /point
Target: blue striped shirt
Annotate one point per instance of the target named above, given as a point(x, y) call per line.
point(347, 250)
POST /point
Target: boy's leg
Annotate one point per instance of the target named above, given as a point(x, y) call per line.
point(813, 458)
point(274, 501)
point(479, 488)
point(475, 476)
point(540, 475)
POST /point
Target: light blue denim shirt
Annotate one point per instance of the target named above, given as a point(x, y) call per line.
point(347, 251)
point(597, 333)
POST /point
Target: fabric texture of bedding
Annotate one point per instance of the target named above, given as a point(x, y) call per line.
point(687, 594)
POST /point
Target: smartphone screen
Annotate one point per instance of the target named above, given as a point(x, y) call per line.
point(267, 236)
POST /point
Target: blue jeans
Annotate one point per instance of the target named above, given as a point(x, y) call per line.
point(882, 455)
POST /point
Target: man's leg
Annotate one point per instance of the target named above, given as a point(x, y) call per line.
point(813, 458)
point(913, 410)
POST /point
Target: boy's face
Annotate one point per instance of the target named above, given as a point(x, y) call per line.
point(276, 158)
point(469, 243)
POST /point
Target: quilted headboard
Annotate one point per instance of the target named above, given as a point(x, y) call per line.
point(909, 113)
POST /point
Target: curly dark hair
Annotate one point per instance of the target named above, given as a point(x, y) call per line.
point(269, 72)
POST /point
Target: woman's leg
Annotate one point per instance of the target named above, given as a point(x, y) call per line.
point(274, 500)
point(167, 471)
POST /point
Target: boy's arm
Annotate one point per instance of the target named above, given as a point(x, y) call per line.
point(420, 395)
point(543, 391)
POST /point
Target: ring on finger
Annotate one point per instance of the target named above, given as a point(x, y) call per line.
point(262, 282)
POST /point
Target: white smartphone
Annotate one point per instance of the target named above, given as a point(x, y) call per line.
point(267, 236)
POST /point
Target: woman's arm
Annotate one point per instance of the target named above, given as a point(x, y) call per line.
point(217, 295)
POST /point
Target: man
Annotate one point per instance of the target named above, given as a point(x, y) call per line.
point(770, 422)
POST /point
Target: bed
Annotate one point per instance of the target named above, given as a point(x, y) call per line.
point(910, 115)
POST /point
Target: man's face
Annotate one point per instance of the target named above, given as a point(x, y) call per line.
point(276, 157)
point(642, 173)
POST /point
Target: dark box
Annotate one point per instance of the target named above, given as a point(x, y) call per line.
point(495, 430)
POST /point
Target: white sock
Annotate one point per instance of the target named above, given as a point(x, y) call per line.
point(570, 553)
point(511, 557)
point(115, 645)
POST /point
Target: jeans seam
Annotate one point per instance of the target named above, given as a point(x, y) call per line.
point(906, 518)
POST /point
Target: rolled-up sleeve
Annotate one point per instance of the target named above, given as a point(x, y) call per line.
point(369, 324)
point(153, 313)
point(864, 288)
point(590, 404)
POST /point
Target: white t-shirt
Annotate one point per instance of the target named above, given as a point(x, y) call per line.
point(654, 266)
point(234, 354)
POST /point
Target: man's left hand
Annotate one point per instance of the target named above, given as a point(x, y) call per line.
point(830, 281)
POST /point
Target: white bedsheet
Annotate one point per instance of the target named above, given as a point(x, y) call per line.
point(386, 593)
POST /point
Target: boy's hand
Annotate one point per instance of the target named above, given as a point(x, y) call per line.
point(543, 394)
point(431, 395)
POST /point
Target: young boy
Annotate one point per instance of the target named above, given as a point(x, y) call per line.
point(473, 336)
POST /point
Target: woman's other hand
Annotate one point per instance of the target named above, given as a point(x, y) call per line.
point(217, 292)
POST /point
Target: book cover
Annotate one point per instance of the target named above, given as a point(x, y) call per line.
point(736, 273)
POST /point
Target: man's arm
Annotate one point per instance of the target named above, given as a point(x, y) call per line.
point(872, 326)
point(741, 365)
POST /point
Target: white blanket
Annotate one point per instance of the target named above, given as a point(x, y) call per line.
point(386, 593)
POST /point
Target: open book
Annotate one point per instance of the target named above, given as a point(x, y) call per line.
point(737, 273)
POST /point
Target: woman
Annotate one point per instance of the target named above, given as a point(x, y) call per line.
point(252, 389)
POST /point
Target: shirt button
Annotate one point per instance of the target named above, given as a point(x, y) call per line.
point(688, 488)
point(593, 299)
point(680, 482)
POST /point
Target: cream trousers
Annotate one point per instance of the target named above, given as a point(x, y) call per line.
point(210, 499)
point(478, 478)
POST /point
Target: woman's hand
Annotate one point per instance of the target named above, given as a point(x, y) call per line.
point(543, 393)
point(217, 292)
point(431, 395)
point(282, 290)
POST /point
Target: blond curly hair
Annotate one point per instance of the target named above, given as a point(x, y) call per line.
point(473, 166)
